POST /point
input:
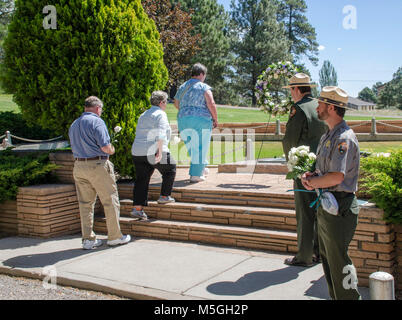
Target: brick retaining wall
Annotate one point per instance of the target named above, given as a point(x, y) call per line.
point(8, 218)
point(398, 273)
point(47, 211)
point(373, 246)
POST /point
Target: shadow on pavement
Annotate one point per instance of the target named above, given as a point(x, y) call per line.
point(16, 242)
point(319, 289)
point(254, 281)
point(49, 258)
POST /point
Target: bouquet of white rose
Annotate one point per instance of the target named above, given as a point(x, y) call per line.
point(301, 160)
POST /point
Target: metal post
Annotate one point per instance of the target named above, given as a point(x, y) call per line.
point(250, 150)
point(278, 127)
point(373, 127)
point(8, 136)
point(381, 286)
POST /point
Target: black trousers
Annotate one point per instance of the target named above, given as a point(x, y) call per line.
point(144, 168)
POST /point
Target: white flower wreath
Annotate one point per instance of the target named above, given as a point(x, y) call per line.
point(265, 100)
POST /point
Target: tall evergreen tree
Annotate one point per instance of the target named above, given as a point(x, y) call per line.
point(6, 9)
point(211, 21)
point(258, 41)
point(176, 33)
point(328, 75)
point(391, 95)
point(106, 48)
point(367, 95)
point(299, 31)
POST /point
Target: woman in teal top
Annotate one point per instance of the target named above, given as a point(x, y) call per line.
point(196, 118)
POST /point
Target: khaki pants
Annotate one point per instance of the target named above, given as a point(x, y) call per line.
point(92, 178)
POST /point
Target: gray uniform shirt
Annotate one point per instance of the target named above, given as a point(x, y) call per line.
point(338, 151)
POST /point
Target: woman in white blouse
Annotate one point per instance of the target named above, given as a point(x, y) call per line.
point(150, 151)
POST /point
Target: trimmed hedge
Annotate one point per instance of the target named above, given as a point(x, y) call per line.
point(110, 49)
point(382, 180)
point(21, 171)
point(16, 124)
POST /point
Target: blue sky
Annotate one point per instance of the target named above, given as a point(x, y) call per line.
point(368, 50)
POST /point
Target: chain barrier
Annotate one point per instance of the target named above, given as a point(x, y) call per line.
point(232, 151)
point(389, 125)
point(233, 128)
point(35, 141)
point(360, 124)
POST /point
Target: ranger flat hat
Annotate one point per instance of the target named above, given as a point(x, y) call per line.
point(300, 80)
point(335, 96)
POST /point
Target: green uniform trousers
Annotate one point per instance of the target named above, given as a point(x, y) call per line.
point(335, 234)
point(307, 236)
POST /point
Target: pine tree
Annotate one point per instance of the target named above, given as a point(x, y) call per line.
point(105, 48)
point(299, 31)
point(367, 95)
point(328, 75)
point(391, 95)
point(211, 21)
point(259, 40)
point(180, 44)
point(6, 9)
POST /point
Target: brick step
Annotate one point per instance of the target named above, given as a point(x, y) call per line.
point(239, 198)
point(277, 218)
point(242, 237)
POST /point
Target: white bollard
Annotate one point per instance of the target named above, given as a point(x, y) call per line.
point(278, 127)
point(373, 127)
point(250, 154)
point(381, 286)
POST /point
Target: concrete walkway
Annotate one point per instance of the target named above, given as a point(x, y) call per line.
point(153, 269)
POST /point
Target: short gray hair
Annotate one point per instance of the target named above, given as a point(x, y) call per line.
point(157, 97)
point(198, 69)
point(92, 102)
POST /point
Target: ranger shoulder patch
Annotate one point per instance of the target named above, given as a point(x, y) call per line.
point(292, 112)
point(342, 148)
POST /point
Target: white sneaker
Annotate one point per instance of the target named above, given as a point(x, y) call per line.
point(206, 171)
point(123, 240)
point(91, 244)
point(197, 179)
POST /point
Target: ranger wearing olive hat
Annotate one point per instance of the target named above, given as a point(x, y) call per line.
point(303, 128)
point(337, 171)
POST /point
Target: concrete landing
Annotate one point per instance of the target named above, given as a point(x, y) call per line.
point(157, 269)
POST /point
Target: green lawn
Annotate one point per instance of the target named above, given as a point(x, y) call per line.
point(225, 115)
point(252, 115)
point(221, 152)
point(7, 104)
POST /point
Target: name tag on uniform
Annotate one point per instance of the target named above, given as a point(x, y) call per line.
point(328, 144)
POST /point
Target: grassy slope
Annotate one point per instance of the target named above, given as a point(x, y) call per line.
point(224, 114)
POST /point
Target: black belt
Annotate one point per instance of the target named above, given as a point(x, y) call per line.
point(341, 194)
point(94, 158)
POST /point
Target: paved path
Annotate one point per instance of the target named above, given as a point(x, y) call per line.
point(234, 182)
point(153, 269)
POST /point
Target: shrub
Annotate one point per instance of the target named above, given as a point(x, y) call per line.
point(105, 48)
point(16, 124)
point(382, 180)
point(19, 171)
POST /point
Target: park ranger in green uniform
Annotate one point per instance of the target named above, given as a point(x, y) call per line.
point(303, 128)
point(337, 170)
